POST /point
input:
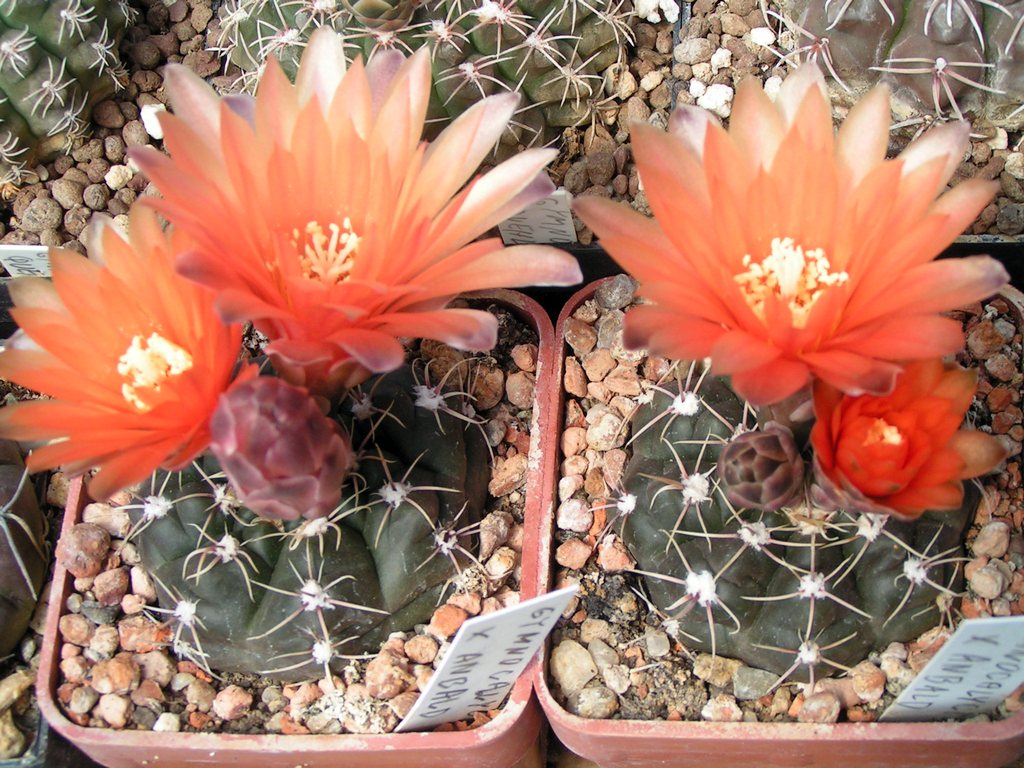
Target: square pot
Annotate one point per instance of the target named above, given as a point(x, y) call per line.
point(511, 739)
point(638, 744)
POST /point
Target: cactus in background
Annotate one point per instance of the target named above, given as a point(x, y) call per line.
point(551, 52)
point(305, 594)
point(800, 591)
point(57, 60)
point(23, 558)
point(942, 58)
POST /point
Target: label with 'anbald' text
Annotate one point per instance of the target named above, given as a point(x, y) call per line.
point(545, 221)
point(979, 666)
point(486, 657)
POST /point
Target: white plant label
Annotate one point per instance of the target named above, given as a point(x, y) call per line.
point(545, 221)
point(484, 660)
point(978, 667)
point(25, 260)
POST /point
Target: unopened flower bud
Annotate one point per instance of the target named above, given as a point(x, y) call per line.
point(762, 469)
point(283, 456)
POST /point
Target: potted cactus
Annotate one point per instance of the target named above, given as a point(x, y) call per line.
point(295, 511)
point(57, 61)
point(791, 502)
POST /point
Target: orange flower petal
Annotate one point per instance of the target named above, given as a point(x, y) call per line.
point(806, 242)
point(315, 209)
point(157, 359)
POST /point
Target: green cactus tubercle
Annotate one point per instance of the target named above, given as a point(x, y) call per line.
point(551, 52)
point(293, 599)
point(799, 591)
point(57, 60)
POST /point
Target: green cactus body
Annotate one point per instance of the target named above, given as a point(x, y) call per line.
point(939, 60)
point(23, 559)
point(293, 599)
point(551, 52)
point(57, 60)
point(798, 591)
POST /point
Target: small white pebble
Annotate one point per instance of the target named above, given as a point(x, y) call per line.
point(1000, 140)
point(762, 36)
point(717, 99)
point(150, 114)
point(771, 86)
point(1015, 165)
point(721, 59)
point(651, 80)
point(653, 10)
point(118, 176)
point(697, 88)
point(168, 722)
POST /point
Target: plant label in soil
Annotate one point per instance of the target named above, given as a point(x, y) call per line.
point(25, 260)
point(546, 221)
point(484, 660)
point(978, 667)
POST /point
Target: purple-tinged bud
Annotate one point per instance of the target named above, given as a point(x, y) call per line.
point(762, 469)
point(284, 457)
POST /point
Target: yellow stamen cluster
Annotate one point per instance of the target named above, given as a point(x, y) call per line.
point(883, 432)
point(147, 364)
point(789, 273)
point(327, 258)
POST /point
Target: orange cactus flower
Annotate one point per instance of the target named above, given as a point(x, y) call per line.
point(320, 215)
point(783, 251)
point(133, 355)
point(901, 453)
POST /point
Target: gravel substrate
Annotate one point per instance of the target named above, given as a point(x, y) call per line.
point(722, 43)
point(615, 655)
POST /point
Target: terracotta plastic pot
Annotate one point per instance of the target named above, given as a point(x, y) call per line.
point(511, 739)
point(640, 744)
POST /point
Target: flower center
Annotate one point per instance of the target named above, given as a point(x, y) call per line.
point(883, 432)
point(798, 277)
point(328, 258)
point(147, 364)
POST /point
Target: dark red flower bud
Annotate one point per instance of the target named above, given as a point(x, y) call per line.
point(283, 456)
point(762, 469)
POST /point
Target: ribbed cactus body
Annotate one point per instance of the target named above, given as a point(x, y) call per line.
point(551, 52)
point(289, 599)
point(784, 590)
point(939, 59)
point(23, 559)
point(57, 60)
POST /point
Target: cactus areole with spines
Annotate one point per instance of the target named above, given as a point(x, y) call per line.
point(296, 599)
point(57, 60)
